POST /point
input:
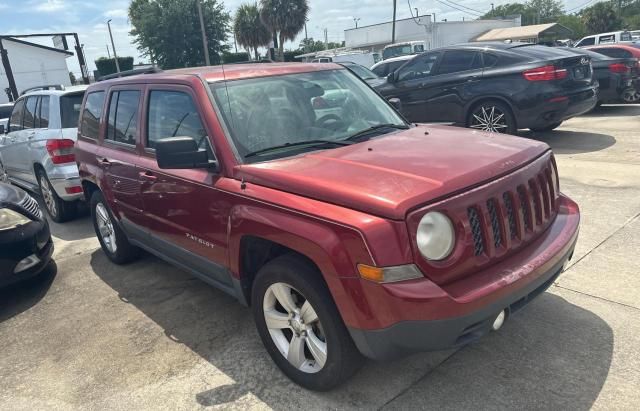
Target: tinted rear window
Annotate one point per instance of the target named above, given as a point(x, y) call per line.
point(615, 52)
point(5, 111)
point(70, 109)
point(540, 52)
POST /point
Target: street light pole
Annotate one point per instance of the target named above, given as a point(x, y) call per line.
point(393, 25)
point(355, 20)
point(205, 44)
point(113, 47)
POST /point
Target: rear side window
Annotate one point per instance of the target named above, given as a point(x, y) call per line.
point(589, 41)
point(615, 52)
point(70, 109)
point(30, 112)
point(122, 125)
point(90, 125)
point(15, 123)
point(490, 60)
point(459, 60)
point(610, 38)
point(42, 119)
point(171, 114)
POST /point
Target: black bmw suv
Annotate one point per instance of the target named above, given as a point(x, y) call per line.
point(498, 87)
point(25, 241)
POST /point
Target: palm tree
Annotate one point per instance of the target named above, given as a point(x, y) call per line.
point(248, 28)
point(285, 18)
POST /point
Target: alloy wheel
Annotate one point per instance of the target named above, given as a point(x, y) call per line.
point(47, 196)
point(489, 118)
point(105, 228)
point(631, 95)
point(295, 327)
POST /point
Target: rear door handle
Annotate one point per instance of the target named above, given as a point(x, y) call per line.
point(104, 162)
point(147, 176)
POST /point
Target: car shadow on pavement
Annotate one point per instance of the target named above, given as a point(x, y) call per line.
point(20, 297)
point(553, 354)
point(572, 142)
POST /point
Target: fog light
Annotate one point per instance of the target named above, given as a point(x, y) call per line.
point(497, 323)
point(26, 263)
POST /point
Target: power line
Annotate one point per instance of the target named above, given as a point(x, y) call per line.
point(464, 11)
point(581, 6)
point(465, 7)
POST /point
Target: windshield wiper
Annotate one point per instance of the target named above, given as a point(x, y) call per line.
point(366, 131)
point(309, 143)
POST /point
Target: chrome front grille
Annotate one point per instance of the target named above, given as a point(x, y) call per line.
point(30, 205)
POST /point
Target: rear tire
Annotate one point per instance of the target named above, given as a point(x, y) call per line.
point(113, 240)
point(492, 116)
point(326, 355)
point(59, 210)
point(548, 127)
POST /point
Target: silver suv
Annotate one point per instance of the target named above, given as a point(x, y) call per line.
point(37, 151)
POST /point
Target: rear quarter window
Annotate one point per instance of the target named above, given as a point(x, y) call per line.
point(91, 115)
point(70, 105)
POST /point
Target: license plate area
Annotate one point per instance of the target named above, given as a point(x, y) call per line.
point(581, 72)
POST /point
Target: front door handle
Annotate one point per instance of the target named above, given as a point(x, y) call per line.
point(104, 162)
point(147, 176)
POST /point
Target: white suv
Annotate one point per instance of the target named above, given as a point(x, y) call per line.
point(37, 151)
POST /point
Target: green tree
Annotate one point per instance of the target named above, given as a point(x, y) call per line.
point(575, 24)
point(249, 30)
point(512, 9)
point(601, 17)
point(309, 45)
point(284, 18)
point(168, 31)
point(531, 12)
point(106, 66)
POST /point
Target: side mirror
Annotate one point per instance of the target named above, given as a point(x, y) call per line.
point(182, 152)
point(391, 77)
point(396, 103)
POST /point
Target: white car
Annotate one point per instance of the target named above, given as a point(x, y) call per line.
point(38, 148)
point(5, 112)
point(388, 66)
point(605, 38)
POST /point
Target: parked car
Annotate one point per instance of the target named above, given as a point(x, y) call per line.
point(5, 113)
point(364, 73)
point(4, 178)
point(618, 78)
point(38, 148)
point(25, 241)
point(618, 50)
point(497, 87)
point(403, 48)
point(605, 38)
point(349, 233)
point(388, 66)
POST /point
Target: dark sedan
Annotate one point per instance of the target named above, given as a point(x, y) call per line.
point(364, 73)
point(617, 77)
point(497, 87)
point(25, 241)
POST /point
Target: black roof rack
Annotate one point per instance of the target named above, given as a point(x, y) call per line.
point(134, 72)
point(45, 87)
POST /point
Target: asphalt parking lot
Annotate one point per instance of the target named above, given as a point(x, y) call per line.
point(92, 335)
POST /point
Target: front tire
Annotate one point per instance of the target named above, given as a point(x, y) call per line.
point(300, 325)
point(113, 240)
point(492, 116)
point(548, 127)
point(59, 210)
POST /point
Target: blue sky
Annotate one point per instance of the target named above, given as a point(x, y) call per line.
point(88, 18)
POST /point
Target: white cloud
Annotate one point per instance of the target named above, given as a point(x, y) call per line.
point(117, 13)
point(49, 6)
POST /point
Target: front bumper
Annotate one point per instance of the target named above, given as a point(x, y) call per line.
point(421, 316)
point(33, 239)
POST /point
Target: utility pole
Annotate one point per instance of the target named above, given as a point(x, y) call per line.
point(12, 91)
point(81, 60)
point(492, 7)
point(113, 47)
point(393, 25)
point(205, 44)
point(108, 52)
point(355, 20)
point(326, 39)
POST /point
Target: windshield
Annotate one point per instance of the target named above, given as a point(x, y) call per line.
point(330, 105)
point(396, 51)
point(70, 109)
point(362, 72)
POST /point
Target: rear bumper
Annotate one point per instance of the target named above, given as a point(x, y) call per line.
point(425, 317)
point(556, 109)
point(65, 178)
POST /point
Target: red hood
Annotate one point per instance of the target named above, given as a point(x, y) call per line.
point(389, 175)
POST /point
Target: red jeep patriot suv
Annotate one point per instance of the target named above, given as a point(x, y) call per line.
point(304, 194)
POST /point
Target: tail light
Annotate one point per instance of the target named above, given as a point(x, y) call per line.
point(61, 151)
point(619, 68)
point(545, 73)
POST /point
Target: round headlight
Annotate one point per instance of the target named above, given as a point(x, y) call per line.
point(435, 236)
